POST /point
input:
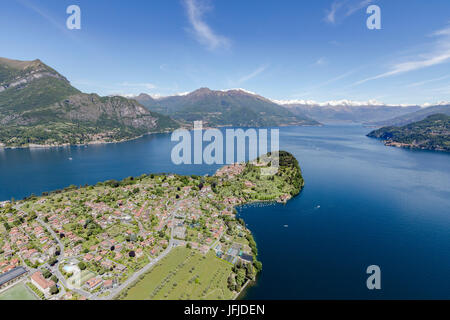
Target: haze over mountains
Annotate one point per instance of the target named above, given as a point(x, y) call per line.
point(349, 111)
point(414, 116)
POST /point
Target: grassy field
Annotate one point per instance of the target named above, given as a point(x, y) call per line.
point(184, 274)
point(18, 292)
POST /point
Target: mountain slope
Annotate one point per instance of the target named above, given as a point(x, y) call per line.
point(432, 133)
point(39, 106)
point(343, 111)
point(225, 108)
point(415, 116)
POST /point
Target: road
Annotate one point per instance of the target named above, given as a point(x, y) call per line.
point(147, 267)
point(116, 291)
point(55, 268)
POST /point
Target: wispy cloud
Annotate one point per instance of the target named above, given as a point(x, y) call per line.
point(330, 16)
point(321, 61)
point(442, 32)
point(341, 9)
point(354, 7)
point(313, 89)
point(440, 54)
point(410, 66)
point(204, 34)
point(250, 75)
point(60, 25)
point(340, 77)
point(421, 83)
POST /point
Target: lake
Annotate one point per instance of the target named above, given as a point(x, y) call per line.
point(363, 204)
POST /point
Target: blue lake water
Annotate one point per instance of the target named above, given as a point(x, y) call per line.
point(363, 204)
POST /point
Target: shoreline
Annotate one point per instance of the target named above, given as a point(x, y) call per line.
point(238, 295)
point(248, 202)
point(64, 145)
point(250, 283)
point(400, 145)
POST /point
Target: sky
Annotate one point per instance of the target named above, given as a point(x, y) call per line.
point(317, 50)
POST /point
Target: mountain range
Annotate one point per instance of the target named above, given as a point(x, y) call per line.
point(38, 106)
point(347, 111)
point(414, 116)
point(237, 107)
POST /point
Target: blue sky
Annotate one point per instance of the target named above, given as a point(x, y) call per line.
point(311, 50)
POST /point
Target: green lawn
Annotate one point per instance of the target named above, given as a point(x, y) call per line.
point(18, 292)
point(184, 274)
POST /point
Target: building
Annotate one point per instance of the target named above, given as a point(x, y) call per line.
point(41, 283)
point(93, 283)
point(4, 203)
point(12, 276)
point(108, 284)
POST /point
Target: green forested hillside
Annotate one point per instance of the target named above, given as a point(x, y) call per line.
point(432, 133)
point(39, 106)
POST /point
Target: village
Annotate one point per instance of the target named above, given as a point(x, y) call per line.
point(93, 242)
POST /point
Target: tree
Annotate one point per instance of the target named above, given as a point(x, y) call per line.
point(82, 265)
point(47, 274)
point(249, 271)
point(231, 283)
point(54, 289)
point(258, 265)
point(52, 261)
point(240, 277)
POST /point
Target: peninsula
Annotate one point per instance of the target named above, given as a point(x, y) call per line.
point(432, 133)
point(150, 237)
